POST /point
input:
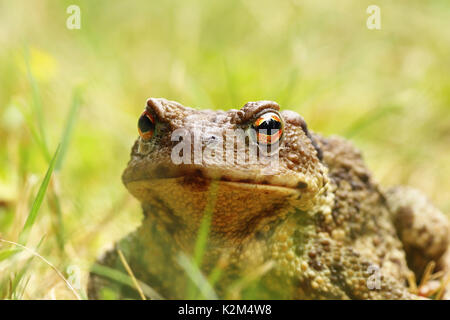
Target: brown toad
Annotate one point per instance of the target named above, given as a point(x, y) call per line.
point(311, 225)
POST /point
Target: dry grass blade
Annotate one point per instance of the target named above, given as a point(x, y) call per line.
point(443, 287)
point(18, 278)
point(131, 274)
point(427, 273)
point(412, 283)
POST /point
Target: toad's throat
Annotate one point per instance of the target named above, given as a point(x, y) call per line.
point(239, 209)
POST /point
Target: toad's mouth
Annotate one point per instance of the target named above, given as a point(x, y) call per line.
point(196, 176)
point(202, 183)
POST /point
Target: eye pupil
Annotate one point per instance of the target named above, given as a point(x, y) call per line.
point(269, 128)
point(270, 125)
point(146, 126)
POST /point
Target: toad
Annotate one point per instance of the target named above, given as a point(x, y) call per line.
point(267, 208)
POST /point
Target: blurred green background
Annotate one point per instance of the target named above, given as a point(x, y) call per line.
point(387, 90)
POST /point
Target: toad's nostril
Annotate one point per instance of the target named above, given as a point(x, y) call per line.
point(302, 185)
point(211, 139)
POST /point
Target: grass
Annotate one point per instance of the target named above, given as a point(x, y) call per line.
point(23, 235)
point(125, 279)
point(387, 90)
point(41, 138)
point(14, 290)
point(14, 284)
point(198, 283)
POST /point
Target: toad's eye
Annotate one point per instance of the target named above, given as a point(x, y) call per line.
point(146, 126)
point(269, 128)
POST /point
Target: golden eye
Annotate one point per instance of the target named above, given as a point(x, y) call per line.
point(146, 126)
point(269, 128)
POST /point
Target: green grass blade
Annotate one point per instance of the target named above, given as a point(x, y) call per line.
point(53, 196)
point(54, 201)
point(20, 294)
point(23, 236)
point(7, 253)
point(34, 133)
point(214, 276)
point(202, 237)
point(58, 223)
point(203, 232)
point(197, 278)
point(37, 106)
point(70, 122)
